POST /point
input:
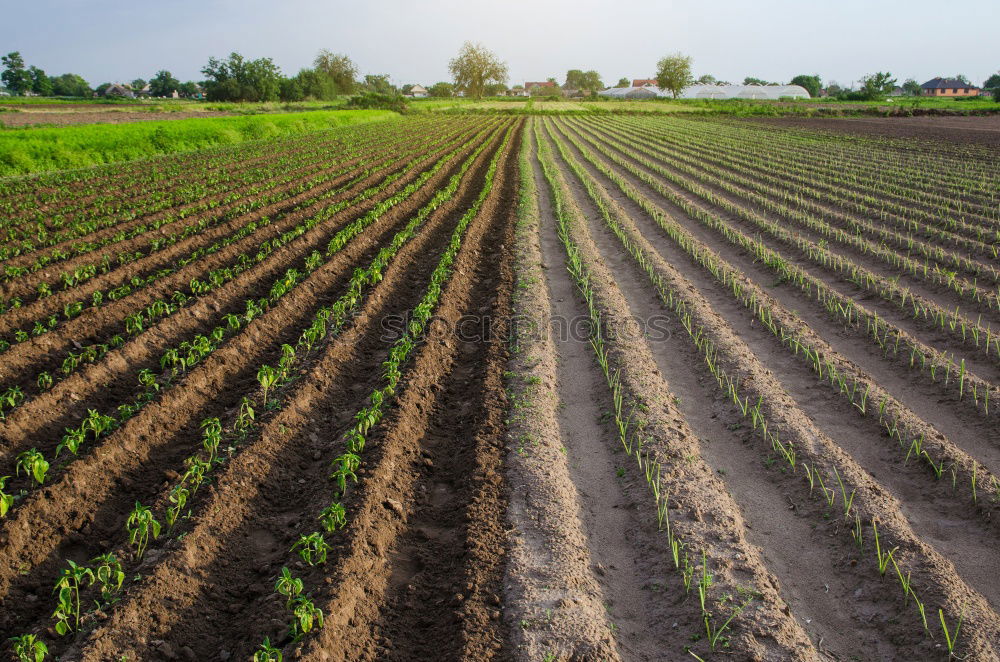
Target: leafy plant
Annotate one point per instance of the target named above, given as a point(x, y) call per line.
point(29, 648)
point(109, 574)
point(68, 592)
point(288, 586)
point(141, 527)
point(332, 517)
point(306, 617)
point(267, 652)
point(6, 500)
point(33, 463)
point(312, 548)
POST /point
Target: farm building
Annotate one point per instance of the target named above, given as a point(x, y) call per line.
point(532, 85)
point(418, 92)
point(644, 82)
point(773, 92)
point(630, 93)
point(118, 90)
point(948, 87)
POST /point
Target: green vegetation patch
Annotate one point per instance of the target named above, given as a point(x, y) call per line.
point(30, 150)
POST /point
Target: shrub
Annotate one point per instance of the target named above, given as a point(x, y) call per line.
point(374, 100)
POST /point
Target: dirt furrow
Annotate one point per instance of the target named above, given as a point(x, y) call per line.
point(137, 453)
point(251, 507)
point(36, 416)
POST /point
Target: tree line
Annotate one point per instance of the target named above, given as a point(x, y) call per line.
point(475, 71)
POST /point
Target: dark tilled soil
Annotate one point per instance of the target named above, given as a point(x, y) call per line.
point(984, 131)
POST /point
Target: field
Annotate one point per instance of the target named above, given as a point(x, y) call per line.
point(494, 387)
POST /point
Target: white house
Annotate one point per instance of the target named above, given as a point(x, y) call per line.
point(418, 92)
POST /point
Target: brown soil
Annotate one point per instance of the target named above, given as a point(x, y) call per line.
point(983, 131)
point(496, 515)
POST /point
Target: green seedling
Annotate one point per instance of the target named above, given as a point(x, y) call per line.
point(307, 617)
point(33, 464)
point(332, 517)
point(268, 377)
point(950, 638)
point(211, 436)
point(6, 500)
point(109, 575)
point(67, 613)
point(312, 548)
point(178, 497)
point(29, 648)
point(267, 652)
point(45, 381)
point(288, 586)
point(141, 527)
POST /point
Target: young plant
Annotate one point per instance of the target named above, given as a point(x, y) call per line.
point(6, 500)
point(109, 575)
point(288, 586)
point(178, 497)
point(141, 527)
point(68, 592)
point(307, 616)
point(268, 377)
point(950, 638)
point(312, 548)
point(267, 652)
point(212, 436)
point(33, 464)
point(29, 648)
point(332, 517)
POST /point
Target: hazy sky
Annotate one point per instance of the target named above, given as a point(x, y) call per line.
point(118, 40)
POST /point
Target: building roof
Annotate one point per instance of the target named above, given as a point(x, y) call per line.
point(547, 83)
point(950, 83)
point(642, 82)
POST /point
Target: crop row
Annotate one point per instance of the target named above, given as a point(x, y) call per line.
point(196, 349)
point(830, 480)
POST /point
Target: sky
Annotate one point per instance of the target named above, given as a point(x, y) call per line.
point(412, 41)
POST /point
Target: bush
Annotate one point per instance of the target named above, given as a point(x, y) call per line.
point(996, 94)
point(376, 101)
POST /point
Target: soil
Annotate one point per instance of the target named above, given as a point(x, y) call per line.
point(497, 514)
point(975, 130)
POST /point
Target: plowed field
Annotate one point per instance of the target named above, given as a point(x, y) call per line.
point(490, 388)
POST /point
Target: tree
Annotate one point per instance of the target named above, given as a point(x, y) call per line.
point(317, 85)
point(188, 89)
point(992, 83)
point(812, 84)
point(876, 86)
point(379, 83)
point(40, 83)
point(707, 79)
point(673, 73)
point(624, 82)
point(100, 89)
point(70, 85)
point(163, 84)
point(289, 89)
point(750, 80)
point(996, 94)
point(239, 79)
point(912, 88)
point(340, 69)
point(963, 78)
point(495, 89)
point(475, 67)
point(138, 84)
point(441, 89)
point(15, 76)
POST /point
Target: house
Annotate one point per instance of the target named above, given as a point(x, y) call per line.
point(119, 90)
point(948, 87)
point(644, 82)
point(418, 92)
point(548, 83)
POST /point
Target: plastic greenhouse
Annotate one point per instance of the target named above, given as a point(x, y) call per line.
point(772, 92)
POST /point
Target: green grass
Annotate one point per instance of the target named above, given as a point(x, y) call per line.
point(32, 150)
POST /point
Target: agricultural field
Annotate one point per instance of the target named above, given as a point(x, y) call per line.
point(495, 387)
